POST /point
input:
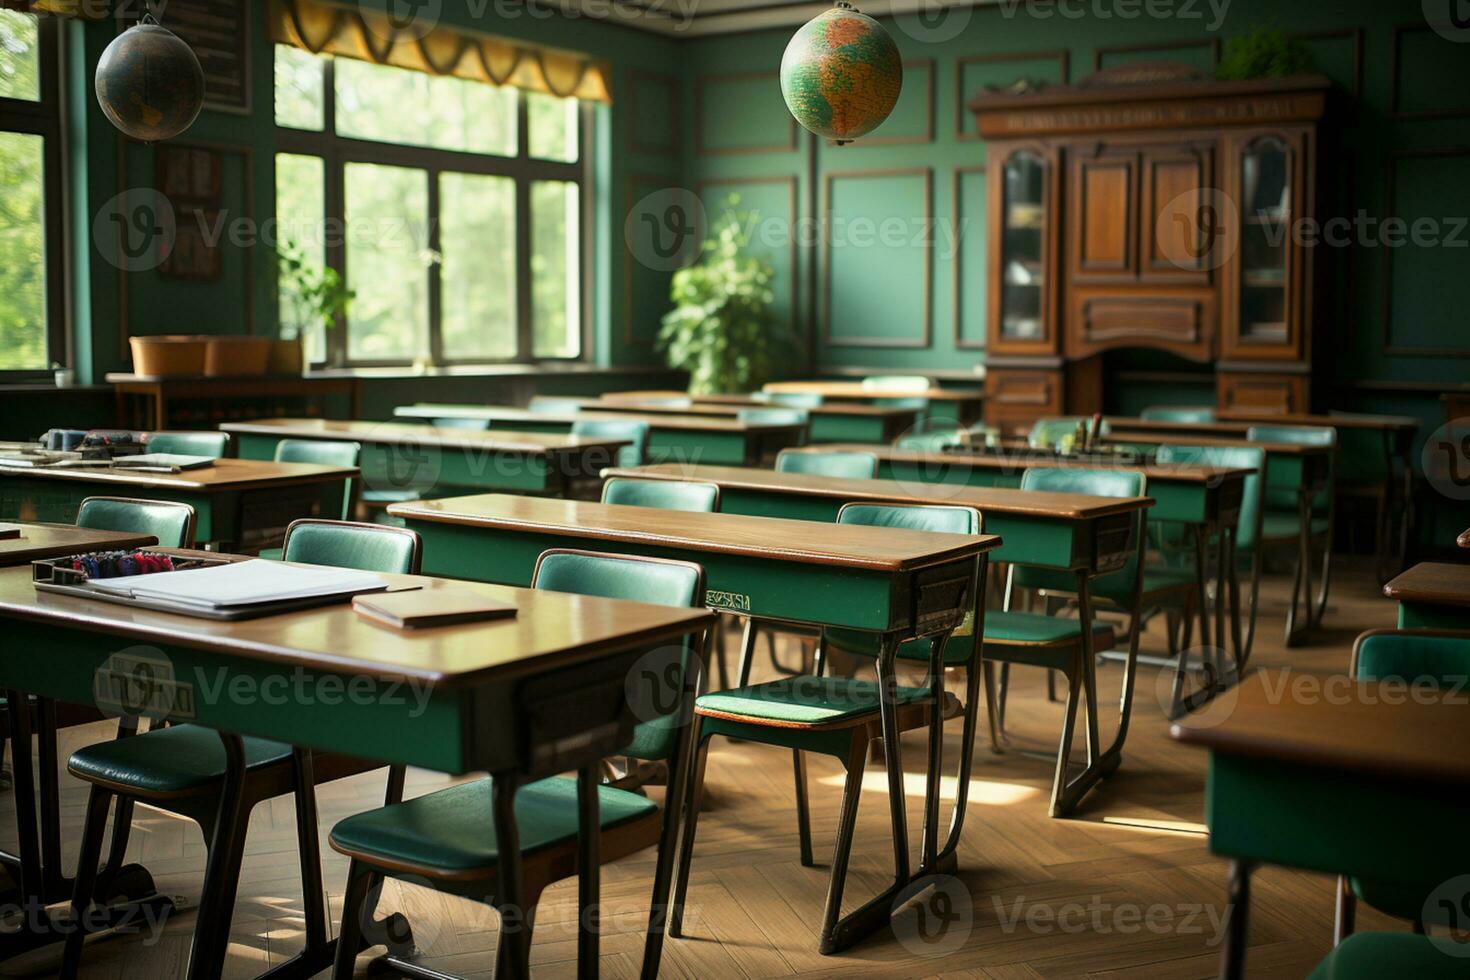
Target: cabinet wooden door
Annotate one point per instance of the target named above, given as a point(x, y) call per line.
point(1102, 214)
point(1182, 219)
point(1021, 200)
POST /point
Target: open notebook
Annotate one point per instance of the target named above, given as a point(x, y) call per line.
point(241, 585)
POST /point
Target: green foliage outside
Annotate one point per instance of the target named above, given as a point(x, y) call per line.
point(1266, 52)
point(22, 208)
point(722, 329)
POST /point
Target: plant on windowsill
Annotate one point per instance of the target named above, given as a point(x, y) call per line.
point(311, 295)
point(1266, 52)
point(722, 329)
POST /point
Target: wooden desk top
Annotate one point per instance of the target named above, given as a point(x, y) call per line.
point(1392, 737)
point(870, 548)
point(1034, 503)
point(657, 418)
point(404, 433)
point(623, 401)
point(856, 389)
point(224, 475)
point(1021, 459)
point(1184, 438)
point(550, 629)
point(56, 540)
point(1236, 422)
point(1437, 583)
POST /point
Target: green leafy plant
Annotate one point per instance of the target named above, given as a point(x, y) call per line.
point(1266, 52)
point(311, 294)
point(722, 329)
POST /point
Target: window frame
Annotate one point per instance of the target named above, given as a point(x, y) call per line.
point(43, 118)
point(336, 151)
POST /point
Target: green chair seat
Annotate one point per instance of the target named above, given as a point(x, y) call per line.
point(1371, 955)
point(1039, 629)
point(1277, 524)
point(182, 760)
point(803, 701)
point(449, 832)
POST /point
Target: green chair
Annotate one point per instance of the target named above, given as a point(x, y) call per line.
point(687, 495)
point(1060, 643)
point(460, 422)
point(930, 442)
point(794, 399)
point(181, 769)
point(838, 464)
point(553, 405)
point(1048, 433)
point(324, 453)
point(1245, 543)
point(446, 837)
point(211, 444)
point(1178, 413)
point(1433, 658)
point(840, 717)
point(1375, 955)
point(899, 383)
point(170, 521)
point(1289, 519)
point(631, 431)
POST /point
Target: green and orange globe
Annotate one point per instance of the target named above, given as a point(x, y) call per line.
point(841, 74)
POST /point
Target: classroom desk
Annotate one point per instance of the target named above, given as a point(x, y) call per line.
point(1355, 785)
point(479, 697)
point(896, 583)
point(421, 459)
point(38, 541)
point(1205, 498)
point(964, 405)
point(1432, 594)
point(673, 436)
point(839, 422)
point(239, 504)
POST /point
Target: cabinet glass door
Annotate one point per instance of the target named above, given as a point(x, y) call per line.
point(1023, 269)
point(1266, 208)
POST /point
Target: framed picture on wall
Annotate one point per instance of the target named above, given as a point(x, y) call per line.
point(219, 33)
point(189, 175)
point(196, 252)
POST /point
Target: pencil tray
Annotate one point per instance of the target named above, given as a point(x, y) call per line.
point(58, 571)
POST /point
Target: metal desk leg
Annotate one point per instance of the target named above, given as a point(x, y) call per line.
point(513, 958)
point(589, 869)
point(222, 870)
point(1238, 900)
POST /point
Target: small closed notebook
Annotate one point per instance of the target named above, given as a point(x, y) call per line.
point(418, 608)
point(9, 531)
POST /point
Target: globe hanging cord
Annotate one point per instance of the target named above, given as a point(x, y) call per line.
point(841, 74)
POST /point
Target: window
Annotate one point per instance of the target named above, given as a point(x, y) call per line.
point(32, 333)
point(451, 208)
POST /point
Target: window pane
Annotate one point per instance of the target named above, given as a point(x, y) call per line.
point(22, 254)
point(300, 232)
point(299, 102)
point(477, 234)
point(20, 56)
point(395, 105)
point(387, 262)
point(556, 278)
point(553, 127)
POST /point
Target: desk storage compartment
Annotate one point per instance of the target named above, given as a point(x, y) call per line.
point(941, 596)
point(575, 715)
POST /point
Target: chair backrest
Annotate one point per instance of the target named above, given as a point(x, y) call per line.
point(917, 403)
point(929, 442)
point(349, 544)
point(631, 431)
point(460, 422)
point(835, 463)
point(1281, 483)
point(686, 495)
point(323, 452)
point(1178, 413)
point(772, 416)
point(212, 444)
point(664, 401)
point(1248, 523)
point(654, 580)
point(554, 405)
point(1047, 433)
point(896, 382)
point(170, 521)
point(794, 399)
point(1118, 586)
point(1435, 657)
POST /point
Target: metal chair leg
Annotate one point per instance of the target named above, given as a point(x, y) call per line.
point(852, 788)
point(84, 886)
point(222, 869)
point(803, 811)
point(1346, 913)
point(691, 825)
point(747, 652)
point(1064, 749)
point(354, 911)
point(513, 955)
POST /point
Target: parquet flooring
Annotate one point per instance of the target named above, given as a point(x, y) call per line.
point(1126, 888)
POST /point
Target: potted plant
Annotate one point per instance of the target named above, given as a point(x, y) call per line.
point(722, 329)
point(311, 295)
point(1266, 52)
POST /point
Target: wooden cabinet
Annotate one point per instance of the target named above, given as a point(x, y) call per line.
point(1150, 207)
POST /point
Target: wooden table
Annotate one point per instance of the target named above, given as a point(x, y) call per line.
point(38, 541)
point(1362, 784)
point(421, 459)
point(1432, 594)
point(158, 393)
point(962, 404)
point(895, 583)
point(837, 422)
point(239, 504)
point(490, 696)
point(672, 436)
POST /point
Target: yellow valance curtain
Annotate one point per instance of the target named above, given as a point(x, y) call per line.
point(356, 31)
point(62, 8)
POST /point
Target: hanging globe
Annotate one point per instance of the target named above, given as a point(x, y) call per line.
point(841, 74)
point(149, 83)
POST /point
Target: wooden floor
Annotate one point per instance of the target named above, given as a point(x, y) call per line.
point(1126, 888)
